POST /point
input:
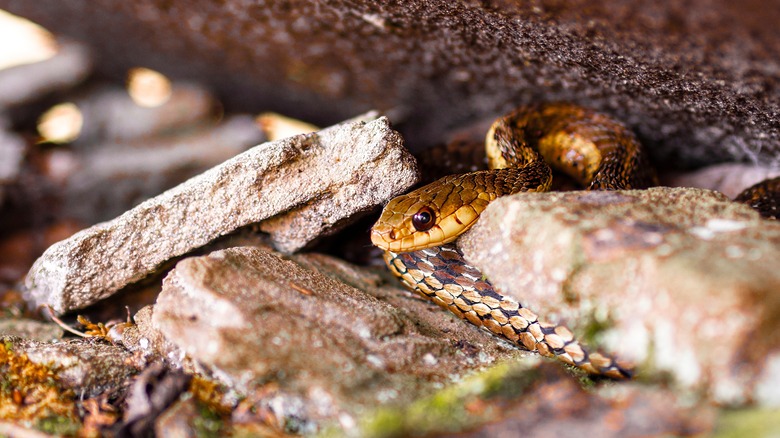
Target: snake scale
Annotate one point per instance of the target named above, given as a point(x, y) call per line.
point(416, 229)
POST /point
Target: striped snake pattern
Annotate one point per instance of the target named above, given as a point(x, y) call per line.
point(416, 229)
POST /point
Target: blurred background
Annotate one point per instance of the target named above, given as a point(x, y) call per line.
point(77, 148)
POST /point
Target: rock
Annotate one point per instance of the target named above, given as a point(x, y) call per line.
point(147, 344)
point(730, 179)
point(28, 82)
point(180, 420)
point(287, 180)
point(30, 329)
point(698, 80)
point(378, 181)
point(104, 182)
point(152, 392)
point(681, 281)
point(330, 338)
point(88, 366)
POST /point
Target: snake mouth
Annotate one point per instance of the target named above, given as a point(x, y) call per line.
point(382, 240)
point(387, 241)
point(406, 244)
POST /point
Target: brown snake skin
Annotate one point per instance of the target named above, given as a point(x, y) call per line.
point(416, 229)
point(442, 275)
point(594, 150)
point(763, 197)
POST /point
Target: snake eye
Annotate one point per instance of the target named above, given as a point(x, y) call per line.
point(424, 219)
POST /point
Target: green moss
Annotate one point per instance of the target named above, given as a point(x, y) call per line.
point(31, 393)
point(452, 409)
point(754, 423)
point(594, 329)
point(58, 425)
point(207, 423)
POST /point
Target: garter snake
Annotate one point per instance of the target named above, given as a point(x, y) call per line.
point(416, 229)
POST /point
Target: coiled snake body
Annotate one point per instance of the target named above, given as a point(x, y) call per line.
point(416, 229)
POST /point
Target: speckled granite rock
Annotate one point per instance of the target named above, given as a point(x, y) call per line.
point(681, 281)
point(290, 181)
point(698, 79)
point(148, 344)
point(331, 349)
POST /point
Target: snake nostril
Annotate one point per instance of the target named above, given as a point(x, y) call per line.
point(391, 235)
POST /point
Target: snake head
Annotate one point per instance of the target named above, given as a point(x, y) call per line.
point(431, 215)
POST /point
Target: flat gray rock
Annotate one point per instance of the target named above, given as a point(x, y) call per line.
point(283, 180)
point(681, 281)
point(335, 340)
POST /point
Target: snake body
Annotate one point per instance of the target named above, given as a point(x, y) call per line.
point(416, 229)
point(442, 275)
point(764, 197)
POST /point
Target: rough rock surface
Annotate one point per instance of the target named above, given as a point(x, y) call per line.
point(88, 366)
point(290, 176)
point(148, 344)
point(681, 281)
point(333, 340)
point(698, 79)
